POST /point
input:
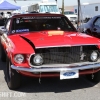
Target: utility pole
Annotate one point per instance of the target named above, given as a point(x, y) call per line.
point(62, 6)
point(78, 22)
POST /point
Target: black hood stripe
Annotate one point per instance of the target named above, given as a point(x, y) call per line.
point(30, 42)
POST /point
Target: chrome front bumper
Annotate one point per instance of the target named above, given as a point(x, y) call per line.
point(57, 69)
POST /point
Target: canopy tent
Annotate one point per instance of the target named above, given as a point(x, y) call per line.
point(5, 5)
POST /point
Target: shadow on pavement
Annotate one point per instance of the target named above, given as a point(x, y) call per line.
point(32, 85)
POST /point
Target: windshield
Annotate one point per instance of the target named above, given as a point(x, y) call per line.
point(48, 8)
point(29, 24)
point(68, 12)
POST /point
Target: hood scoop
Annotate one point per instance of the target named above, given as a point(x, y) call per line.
point(51, 33)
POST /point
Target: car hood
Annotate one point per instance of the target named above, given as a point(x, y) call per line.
point(55, 39)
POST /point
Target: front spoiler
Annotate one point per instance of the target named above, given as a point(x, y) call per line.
point(55, 69)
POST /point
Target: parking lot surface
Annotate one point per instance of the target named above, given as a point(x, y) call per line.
point(49, 89)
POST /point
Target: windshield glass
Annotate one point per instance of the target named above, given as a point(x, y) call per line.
point(68, 12)
point(48, 8)
point(29, 24)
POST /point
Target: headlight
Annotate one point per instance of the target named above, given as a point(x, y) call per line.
point(94, 56)
point(37, 59)
point(19, 58)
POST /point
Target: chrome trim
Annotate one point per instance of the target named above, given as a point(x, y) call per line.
point(53, 46)
point(54, 69)
point(65, 65)
point(30, 58)
point(66, 45)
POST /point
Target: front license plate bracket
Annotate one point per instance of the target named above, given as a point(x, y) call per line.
point(69, 74)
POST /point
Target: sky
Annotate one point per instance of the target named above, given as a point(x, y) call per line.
point(66, 2)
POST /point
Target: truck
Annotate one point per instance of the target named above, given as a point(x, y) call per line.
point(44, 7)
point(71, 15)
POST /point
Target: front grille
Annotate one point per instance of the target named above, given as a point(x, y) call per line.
point(65, 55)
point(59, 55)
point(62, 55)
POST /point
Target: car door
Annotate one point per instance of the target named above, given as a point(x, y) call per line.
point(96, 28)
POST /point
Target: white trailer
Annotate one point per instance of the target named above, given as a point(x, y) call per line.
point(88, 10)
point(44, 7)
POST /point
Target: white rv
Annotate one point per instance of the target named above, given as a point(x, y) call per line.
point(44, 7)
point(88, 10)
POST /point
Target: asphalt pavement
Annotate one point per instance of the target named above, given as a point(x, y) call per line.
point(49, 89)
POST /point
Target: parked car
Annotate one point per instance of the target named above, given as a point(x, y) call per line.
point(47, 45)
point(2, 21)
point(92, 27)
point(71, 16)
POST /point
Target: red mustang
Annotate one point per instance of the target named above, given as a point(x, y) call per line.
point(47, 45)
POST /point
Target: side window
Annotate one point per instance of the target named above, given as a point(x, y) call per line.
point(8, 25)
point(97, 22)
point(96, 8)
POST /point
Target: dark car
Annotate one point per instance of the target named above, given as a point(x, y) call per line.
point(2, 21)
point(92, 27)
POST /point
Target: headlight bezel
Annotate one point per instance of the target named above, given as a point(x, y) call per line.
point(94, 53)
point(22, 56)
point(35, 57)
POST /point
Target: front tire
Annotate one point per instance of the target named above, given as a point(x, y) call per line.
point(12, 76)
point(2, 53)
point(94, 77)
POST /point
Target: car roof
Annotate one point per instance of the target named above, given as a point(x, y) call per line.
point(36, 14)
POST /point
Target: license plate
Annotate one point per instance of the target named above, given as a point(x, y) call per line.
point(69, 74)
